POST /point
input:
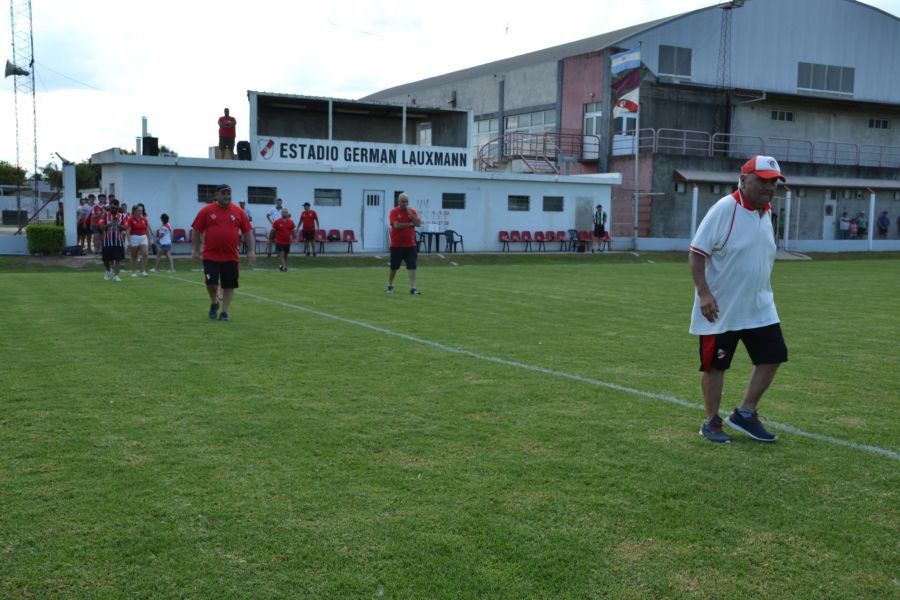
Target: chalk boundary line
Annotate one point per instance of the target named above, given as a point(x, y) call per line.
point(561, 374)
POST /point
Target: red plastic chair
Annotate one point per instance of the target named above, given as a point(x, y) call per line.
point(539, 240)
point(504, 241)
point(526, 238)
point(562, 239)
point(585, 239)
point(605, 241)
point(514, 236)
point(321, 238)
point(350, 238)
point(179, 235)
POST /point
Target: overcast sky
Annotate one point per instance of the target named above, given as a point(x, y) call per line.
point(103, 64)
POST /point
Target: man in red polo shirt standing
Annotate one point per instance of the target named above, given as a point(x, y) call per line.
point(220, 224)
point(227, 134)
point(404, 221)
point(309, 222)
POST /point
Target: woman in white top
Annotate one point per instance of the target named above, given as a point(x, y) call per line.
point(164, 243)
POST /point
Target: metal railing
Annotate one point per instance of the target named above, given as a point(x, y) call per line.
point(549, 146)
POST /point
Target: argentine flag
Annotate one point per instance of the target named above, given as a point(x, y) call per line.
point(630, 59)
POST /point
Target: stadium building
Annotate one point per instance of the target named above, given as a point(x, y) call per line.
point(811, 82)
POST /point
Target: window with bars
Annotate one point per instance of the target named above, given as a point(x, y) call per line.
point(879, 124)
point(783, 115)
point(518, 203)
point(453, 201)
point(206, 192)
point(327, 197)
point(553, 203)
point(261, 195)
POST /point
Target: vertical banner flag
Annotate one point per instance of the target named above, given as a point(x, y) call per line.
point(630, 59)
point(627, 104)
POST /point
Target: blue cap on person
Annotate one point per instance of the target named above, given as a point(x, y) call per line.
point(222, 187)
point(764, 167)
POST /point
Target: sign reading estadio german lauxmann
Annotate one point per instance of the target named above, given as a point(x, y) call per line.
point(349, 154)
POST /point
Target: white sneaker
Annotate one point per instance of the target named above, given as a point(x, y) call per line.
point(116, 278)
point(144, 274)
point(171, 270)
point(107, 276)
point(133, 274)
point(153, 271)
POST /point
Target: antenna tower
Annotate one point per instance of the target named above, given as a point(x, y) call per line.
point(723, 68)
point(23, 86)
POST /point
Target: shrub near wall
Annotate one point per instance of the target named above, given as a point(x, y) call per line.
point(45, 239)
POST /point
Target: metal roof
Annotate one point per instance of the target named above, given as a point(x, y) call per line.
point(591, 44)
point(696, 176)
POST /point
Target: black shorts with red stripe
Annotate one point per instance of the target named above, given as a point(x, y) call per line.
point(765, 345)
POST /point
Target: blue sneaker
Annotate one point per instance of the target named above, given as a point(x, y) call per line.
point(213, 309)
point(415, 292)
point(712, 430)
point(390, 289)
point(751, 425)
point(223, 316)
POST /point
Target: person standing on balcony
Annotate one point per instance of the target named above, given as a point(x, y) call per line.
point(227, 133)
point(731, 259)
point(884, 224)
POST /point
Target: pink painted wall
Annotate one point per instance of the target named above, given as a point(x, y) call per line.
point(582, 82)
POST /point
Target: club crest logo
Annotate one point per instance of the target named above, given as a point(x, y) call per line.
point(720, 353)
point(267, 148)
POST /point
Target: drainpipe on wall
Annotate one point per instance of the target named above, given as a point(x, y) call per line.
point(695, 193)
point(787, 218)
point(872, 222)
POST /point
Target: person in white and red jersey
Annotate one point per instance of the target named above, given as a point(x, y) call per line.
point(731, 258)
point(404, 221)
point(309, 222)
point(138, 239)
point(164, 243)
point(98, 210)
point(284, 236)
point(220, 225)
point(111, 224)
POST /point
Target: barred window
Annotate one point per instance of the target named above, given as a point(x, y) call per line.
point(206, 192)
point(261, 195)
point(327, 197)
point(553, 203)
point(451, 200)
point(519, 203)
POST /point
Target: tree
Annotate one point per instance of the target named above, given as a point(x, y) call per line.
point(87, 176)
point(10, 175)
point(53, 176)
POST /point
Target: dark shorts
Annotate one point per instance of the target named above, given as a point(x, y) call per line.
point(83, 229)
point(599, 231)
point(226, 142)
point(109, 253)
point(95, 229)
point(765, 345)
point(223, 274)
point(308, 235)
point(286, 248)
point(404, 254)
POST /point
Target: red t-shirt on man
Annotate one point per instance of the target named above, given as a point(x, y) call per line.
point(222, 229)
point(406, 237)
point(283, 229)
point(226, 126)
point(308, 219)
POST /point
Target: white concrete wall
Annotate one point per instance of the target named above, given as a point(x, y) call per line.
point(170, 185)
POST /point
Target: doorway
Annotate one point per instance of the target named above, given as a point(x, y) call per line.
point(373, 220)
point(829, 219)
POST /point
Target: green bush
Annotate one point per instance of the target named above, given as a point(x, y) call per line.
point(46, 239)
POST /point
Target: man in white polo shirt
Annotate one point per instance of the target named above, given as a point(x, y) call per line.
point(731, 260)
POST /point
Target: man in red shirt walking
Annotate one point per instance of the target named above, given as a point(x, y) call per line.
point(309, 222)
point(283, 229)
point(227, 134)
point(404, 221)
point(221, 225)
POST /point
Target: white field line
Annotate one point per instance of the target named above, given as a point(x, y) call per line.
point(563, 375)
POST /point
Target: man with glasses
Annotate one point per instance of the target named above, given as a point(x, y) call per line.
point(731, 259)
point(221, 224)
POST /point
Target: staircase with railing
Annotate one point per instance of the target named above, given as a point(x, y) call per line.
point(537, 152)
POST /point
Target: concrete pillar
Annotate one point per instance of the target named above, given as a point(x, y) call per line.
point(70, 204)
point(872, 222)
point(695, 194)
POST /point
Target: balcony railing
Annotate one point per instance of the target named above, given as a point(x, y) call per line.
point(551, 145)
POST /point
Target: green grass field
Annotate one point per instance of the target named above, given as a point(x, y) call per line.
point(525, 429)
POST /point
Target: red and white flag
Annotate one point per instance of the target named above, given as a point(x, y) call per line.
point(627, 104)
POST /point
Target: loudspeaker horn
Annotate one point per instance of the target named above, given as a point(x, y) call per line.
point(12, 69)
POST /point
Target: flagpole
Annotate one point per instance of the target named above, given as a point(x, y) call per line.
point(637, 143)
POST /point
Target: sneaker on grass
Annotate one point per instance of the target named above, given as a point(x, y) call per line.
point(223, 316)
point(415, 292)
point(213, 309)
point(712, 430)
point(107, 276)
point(116, 278)
point(390, 289)
point(750, 424)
